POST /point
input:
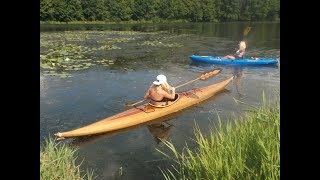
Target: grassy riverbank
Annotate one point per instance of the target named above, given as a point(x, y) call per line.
point(247, 148)
point(57, 161)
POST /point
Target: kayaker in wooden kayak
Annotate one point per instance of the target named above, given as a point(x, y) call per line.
point(140, 114)
point(160, 92)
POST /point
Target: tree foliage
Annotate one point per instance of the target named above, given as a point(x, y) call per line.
point(188, 10)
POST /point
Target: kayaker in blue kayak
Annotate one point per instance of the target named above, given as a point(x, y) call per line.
point(160, 91)
point(239, 53)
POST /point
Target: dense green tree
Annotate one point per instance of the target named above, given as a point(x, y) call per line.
point(209, 11)
point(145, 9)
point(46, 10)
point(195, 12)
point(190, 10)
point(74, 10)
point(89, 9)
point(102, 13)
point(61, 11)
point(165, 11)
point(230, 10)
point(179, 9)
point(274, 9)
point(258, 10)
point(218, 12)
point(120, 10)
point(245, 14)
point(172, 9)
point(186, 9)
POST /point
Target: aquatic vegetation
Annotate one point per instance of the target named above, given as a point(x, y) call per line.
point(65, 57)
point(105, 62)
point(117, 40)
point(63, 53)
point(159, 43)
point(107, 47)
point(163, 40)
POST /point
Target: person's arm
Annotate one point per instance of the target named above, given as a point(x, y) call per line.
point(147, 94)
point(173, 90)
point(170, 95)
point(241, 53)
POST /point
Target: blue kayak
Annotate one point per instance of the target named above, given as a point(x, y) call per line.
point(244, 61)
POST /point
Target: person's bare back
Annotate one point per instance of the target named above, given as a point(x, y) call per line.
point(160, 91)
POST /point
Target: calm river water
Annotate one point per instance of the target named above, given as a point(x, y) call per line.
point(115, 64)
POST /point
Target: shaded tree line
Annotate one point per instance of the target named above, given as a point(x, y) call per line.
point(188, 10)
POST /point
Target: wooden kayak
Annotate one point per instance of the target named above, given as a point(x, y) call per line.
point(153, 126)
point(146, 112)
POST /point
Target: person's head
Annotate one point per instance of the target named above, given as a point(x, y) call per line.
point(162, 81)
point(242, 45)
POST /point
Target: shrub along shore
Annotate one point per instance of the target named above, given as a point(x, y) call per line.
point(57, 161)
point(247, 147)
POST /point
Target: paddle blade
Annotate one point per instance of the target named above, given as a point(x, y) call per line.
point(210, 73)
point(246, 31)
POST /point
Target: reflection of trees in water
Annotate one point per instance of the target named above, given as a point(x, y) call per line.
point(160, 131)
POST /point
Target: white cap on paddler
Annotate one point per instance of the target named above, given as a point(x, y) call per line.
point(160, 79)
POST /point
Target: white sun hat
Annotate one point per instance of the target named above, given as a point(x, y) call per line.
point(160, 79)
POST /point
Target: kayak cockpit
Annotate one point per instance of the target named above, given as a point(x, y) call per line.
point(167, 103)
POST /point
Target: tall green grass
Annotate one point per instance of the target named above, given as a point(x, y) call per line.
point(246, 148)
point(57, 161)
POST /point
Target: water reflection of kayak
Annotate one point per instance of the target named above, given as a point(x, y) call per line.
point(244, 61)
point(160, 131)
point(146, 112)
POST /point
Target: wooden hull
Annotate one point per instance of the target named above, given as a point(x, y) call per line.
point(145, 112)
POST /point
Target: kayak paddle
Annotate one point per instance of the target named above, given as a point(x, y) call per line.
point(246, 31)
